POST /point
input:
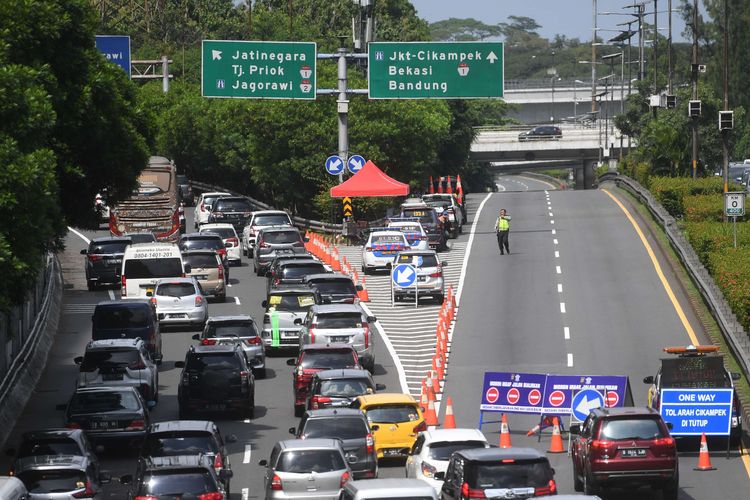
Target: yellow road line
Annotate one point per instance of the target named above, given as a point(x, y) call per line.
point(744, 456)
point(657, 267)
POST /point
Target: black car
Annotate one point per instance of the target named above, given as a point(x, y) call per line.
point(108, 413)
point(506, 472)
point(234, 210)
point(57, 442)
point(206, 241)
point(186, 190)
point(292, 272)
point(339, 388)
point(216, 378)
point(334, 288)
point(437, 233)
point(173, 477)
point(548, 132)
point(128, 319)
point(276, 241)
point(104, 261)
point(189, 437)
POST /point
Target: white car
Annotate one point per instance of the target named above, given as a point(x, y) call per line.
point(381, 248)
point(259, 220)
point(230, 239)
point(413, 230)
point(433, 449)
point(203, 206)
point(180, 301)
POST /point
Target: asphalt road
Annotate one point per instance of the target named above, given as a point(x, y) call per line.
point(577, 266)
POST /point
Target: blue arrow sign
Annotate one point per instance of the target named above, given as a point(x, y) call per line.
point(334, 165)
point(404, 275)
point(355, 163)
point(116, 49)
point(584, 401)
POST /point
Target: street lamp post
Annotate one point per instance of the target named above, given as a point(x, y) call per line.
point(575, 99)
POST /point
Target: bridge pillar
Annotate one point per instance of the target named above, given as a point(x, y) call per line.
point(588, 174)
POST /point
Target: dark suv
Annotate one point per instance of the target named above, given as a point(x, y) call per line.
point(104, 261)
point(349, 426)
point(234, 210)
point(624, 446)
point(437, 235)
point(292, 272)
point(216, 378)
point(276, 241)
point(497, 473)
point(128, 319)
point(339, 388)
point(184, 476)
point(549, 132)
point(333, 288)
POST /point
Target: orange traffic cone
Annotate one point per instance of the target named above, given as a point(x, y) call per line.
point(545, 423)
point(362, 294)
point(423, 399)
point(430, 388)
point(556, 445)
point(452, 299)
point(704, 458)
point(435, 382)
point(430, 417)
point(450, 420)
point(504, 433)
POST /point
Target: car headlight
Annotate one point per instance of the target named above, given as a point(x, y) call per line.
point(428, 470)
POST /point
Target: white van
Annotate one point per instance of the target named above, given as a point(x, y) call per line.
point(383, 489)
point(146, 263)
point(11, 488)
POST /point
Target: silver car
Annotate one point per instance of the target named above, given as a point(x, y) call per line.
point(60, 477)
point(241, 329)
point(306, 469)
point(180, 301)
point(119, 362)
point(284, 306)
point(430, 281)
point(340, 324)
point(259, 220)
point(276, 241)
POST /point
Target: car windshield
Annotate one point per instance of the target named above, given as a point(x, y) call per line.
point(296, 271)
point(517, 474)
point(224, 232)
point(291, 302)
point(109, 358)
point(150, 180)
point(307, 461)
point(179, 484)
point(240, 328)
point(179, 289)
point(345, 387)
point(335, 427)
point(153, 268)
point(107, 318)
point(387, 239)
point(96, 402)
point(339, 320)
point(272, 220)
point(425, 215)
point(53, 481)
point(170, 444)
point(391, 414)
point(735, 173)
point(202, 261)
point(108, 247)
point(53, 446)
point(201, 243)
point(336, 287)
point(410, 229)
point(281, 237)
point(232, 206)
point(215, 361)
point(438, 203)
point(142, 237)
point(428, 260)
point(209, 200)
point(331, 359)
point(444, 450)
point(636, 428)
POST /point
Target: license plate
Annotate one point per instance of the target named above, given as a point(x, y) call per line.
point(391, 452)
point(283, 251)
point(114, 261)
point(633, 452)
point(290, 335)
point(178, 315)
point(421, 278)
point(216, 406)
point(103, 425)
point(201, 276)
point(112, 376)
point(340, 338)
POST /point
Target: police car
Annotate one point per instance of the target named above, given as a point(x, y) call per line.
point(413, 230)
point(695, 367)
point(381, 248)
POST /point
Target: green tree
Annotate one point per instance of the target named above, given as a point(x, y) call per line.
point(470, 29)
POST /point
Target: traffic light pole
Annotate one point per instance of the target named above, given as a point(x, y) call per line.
point(694, 77)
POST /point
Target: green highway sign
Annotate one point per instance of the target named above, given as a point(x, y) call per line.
point(258, 70)
point(435, 70)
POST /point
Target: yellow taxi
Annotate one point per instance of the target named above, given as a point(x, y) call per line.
point(395, 420)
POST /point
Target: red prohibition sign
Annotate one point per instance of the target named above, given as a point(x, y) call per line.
point(557, 398)
point(492, 395)
point(534, 397)
point(612, 399)
point(513, 396)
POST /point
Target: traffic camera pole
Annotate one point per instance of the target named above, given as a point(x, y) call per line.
point(343, 109)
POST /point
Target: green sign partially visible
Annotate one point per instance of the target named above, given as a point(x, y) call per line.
point(258, 70)
point(435, 70)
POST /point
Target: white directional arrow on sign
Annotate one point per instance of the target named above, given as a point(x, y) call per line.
point(491, 57)
point(216, 55)
point(356, 164)
point(404, 275)
point(586, 405)
point(335, 164)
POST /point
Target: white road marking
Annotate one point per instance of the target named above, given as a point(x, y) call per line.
point(554, 241)
point(566, 332)
point(552, 221)
point(546, 192)
point(111, 295)
point(570, 359)
point(562, 307)
point(500, 186)
point(559, 270)
point(391, 351)
point(557, 254)
point(246, 421)
point(559, 288)
point(79, 235)
point(248, 453)
point(237, 301)
point(245, 493)
point(551, 214)
point(554, 231)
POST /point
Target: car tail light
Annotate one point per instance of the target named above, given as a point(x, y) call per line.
point(420, 427)
point(276, 281)
point(232, 242)
point(366, 328)
point(438, 274)
point(218, 465)
point(276, 483)
point(145, 497)
point(311, 331)
point(368, 249)
point(211, 496)
point(550, 489)
point(198, 301)
point(124, 289)
point(344, 479)
point(95, 257)
point(467, 492)
point(136, 424)
point(263, 244)
point(370, 443)
point(137, 365)
point(599, 447)
point(208, 342)
point(428, 470)
point(221, 271)
point(222, 252)
point(253, 341)
point(72, 425)
point(153, 301)
point(203, 207)
point(244, 376)
point(317, 400)
point(665, 441)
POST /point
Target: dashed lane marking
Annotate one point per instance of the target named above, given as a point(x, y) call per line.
point(248, 453)
point(562, 307)
point(570, 359)
point(558, 269)
point(566, 332)
point(559, 288)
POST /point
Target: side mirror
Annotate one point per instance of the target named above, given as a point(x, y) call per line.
point(371, 319)
point(291, 362)
point(149, 293)
point(375, 427)
point(188, 268)
point(648, 380)
point(264, 304)
point(263, 463)
point(179, 364)
point(197, 336)
point(575, 428)
point(379, 387)
point(440, 476)
point(359, 288)
point(669, 425)
point(736, 376)
point(78, 360)
point(293, 431)
point(443, 263)
point(230, 438)
point(297, 321)
point(61, 406)
point(126, 479)
point(84, 251)
point(225, 474)
point(105, 477)
point(151, 404)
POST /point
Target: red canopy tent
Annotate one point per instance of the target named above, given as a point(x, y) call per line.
point(370, 181)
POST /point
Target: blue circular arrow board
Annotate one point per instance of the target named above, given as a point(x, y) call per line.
point(334, 165)
point(404, 275)
point(584, 401)
point(355, 163)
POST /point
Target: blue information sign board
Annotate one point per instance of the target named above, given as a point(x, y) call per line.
point(116, 48)
point(693, 412)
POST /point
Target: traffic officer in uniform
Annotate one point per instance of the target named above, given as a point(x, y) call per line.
point(502, 227)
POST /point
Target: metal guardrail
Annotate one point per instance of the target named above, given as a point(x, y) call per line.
point(300, 222)
point(731, 329)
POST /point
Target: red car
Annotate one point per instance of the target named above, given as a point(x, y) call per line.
point(624, 447)
point(314, 358)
